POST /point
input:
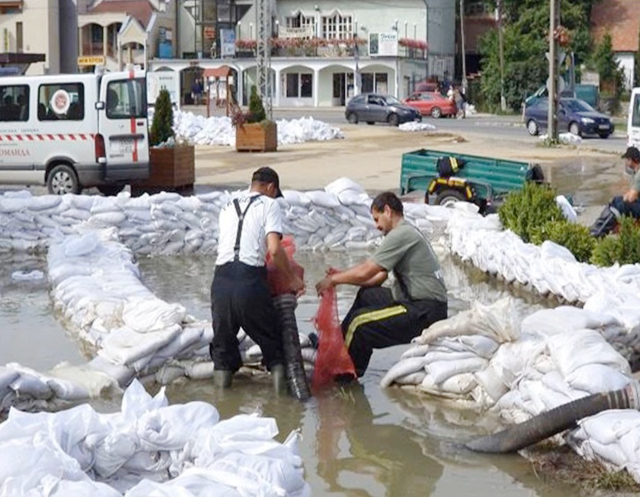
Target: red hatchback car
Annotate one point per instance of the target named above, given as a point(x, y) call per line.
point(431, 104)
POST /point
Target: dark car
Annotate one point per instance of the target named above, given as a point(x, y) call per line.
point(376, 108)
point(574, 115)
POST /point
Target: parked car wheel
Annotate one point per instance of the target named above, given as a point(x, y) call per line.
point(63, 179)
point(352, 118)
point(605, 135)
point(448, 197)
point(370, 123)
point(110, 190)
point(533, 128)
point(393, 120)
point(574, 129)
point(436, 113)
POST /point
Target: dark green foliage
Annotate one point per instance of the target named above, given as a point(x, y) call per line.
point(526, 26)
point(525, 210)
point(162, 126)
point(257, 113)
point(623, 248)
point(573, 236)
point(604, 61)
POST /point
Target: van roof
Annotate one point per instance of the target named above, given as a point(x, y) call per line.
point(49, 78)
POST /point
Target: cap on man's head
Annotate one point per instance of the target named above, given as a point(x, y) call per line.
point(268, 175)
point(632, 153)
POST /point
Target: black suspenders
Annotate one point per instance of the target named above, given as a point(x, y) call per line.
point(236, 248)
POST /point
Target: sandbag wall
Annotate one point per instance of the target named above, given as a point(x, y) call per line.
point(147, 448)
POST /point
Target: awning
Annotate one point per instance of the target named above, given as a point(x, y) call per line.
point(21, 58)
point(218, 72)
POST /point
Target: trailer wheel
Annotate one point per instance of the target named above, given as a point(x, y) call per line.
point(110, 190)
point(63, 179)
point(448, 197)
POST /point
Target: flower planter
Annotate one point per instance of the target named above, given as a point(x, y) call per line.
point(170, 169)
point(257, 137)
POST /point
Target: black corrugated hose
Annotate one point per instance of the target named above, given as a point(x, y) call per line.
point(296, 377)
point(561, 418)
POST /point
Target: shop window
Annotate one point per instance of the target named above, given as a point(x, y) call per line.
point(61, 102)
point(14, 103)
point(382, 85)
point(299, 85)
point(367, 82)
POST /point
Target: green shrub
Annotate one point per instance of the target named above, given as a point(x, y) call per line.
point(573, 236)
point(162, 126)
point(529, 208)
point(257, 113)
point(623, 248)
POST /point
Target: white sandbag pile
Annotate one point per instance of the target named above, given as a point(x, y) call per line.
point(415, 126)
point(148, 448)
point(96, 287)
point(487, 358)
point(337, 217)
point(565, 138)
point(547, 269)
point(202, 130)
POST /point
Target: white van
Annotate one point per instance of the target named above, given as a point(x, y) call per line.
point(633, 124)
point(74, 131)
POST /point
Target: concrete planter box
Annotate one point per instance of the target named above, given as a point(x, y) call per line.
point(257, 137)
point(170, 169)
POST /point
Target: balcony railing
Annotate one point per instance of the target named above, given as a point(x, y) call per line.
point(320, 47)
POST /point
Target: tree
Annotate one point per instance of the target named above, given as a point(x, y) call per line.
point(604, 61)
point(162, 125)
point(257, 113)
point(526, 39)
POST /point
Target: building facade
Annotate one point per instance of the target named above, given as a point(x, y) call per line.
point(323, 51)
point(32, 27)
point(113, 33)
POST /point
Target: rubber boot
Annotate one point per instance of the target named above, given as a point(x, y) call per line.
point(279, 378)
point(222, 378)
point(605, 223)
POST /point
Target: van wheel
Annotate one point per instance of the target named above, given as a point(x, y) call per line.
point(63, 179)
point(110, 190)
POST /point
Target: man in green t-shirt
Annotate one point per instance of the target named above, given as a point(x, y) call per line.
point(382, 317)
point(627, 204)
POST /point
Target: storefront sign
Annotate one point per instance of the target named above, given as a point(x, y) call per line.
point(91, 60)
point(383, 44)
point(304, 32)
point(227, 43)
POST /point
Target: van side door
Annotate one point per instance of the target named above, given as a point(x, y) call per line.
point(17, 153)
point(123, 125)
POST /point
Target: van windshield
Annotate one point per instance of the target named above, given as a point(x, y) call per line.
point(126, 99)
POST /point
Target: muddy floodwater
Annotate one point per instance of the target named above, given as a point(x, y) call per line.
point(356, 441)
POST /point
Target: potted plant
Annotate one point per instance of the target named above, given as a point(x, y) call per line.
point(254, 132)
point(171, 163)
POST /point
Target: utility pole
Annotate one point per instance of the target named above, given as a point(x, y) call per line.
point(554, 21)
point(426, 32)
point(503, 100)
point(464, 51)
point(263, 53)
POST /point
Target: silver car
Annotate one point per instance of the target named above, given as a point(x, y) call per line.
point(375, 108)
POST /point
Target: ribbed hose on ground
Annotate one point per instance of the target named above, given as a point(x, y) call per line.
point(549, 423)
point(296, 377)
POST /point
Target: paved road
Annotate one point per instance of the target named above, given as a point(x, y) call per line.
point(510, 127)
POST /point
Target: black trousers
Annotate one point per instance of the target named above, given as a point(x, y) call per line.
point(376, 321)
point(240, 297)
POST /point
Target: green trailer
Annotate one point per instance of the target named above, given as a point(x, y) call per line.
point(480, 180)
